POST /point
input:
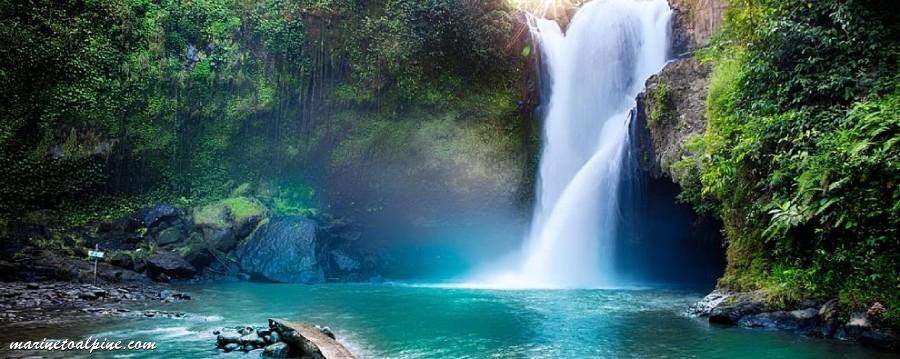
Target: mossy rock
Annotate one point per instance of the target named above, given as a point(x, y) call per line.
point(169, 236)
point(214, 215)
point(195, 251)
point(240, 215)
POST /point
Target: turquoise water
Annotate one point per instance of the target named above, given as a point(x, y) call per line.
point(403, 321)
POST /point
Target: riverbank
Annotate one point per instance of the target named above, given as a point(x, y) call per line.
point(827, 319)
point(56, 302)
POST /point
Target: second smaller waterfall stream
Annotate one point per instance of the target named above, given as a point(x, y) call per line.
point(595, 70)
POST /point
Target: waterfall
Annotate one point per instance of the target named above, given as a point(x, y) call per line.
point(596, 69)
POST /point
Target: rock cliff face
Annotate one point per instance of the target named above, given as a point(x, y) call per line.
point(673, 106)
point(671, 109)
point(694, 22)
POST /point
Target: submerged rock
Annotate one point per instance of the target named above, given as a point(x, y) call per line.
point(283, 250)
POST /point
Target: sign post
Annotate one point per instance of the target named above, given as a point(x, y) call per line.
point(96, 254)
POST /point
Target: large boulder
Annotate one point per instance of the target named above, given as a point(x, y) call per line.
point(284, 249)
point(168, 265)
point(151, 216)
point(225, 222)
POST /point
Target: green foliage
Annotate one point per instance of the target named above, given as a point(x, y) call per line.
point(660, 104)
point(800, 156)
point(168, 101)
point(293, 198)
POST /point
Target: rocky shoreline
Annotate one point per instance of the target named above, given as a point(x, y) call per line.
point(55, 302)
point(750, 310)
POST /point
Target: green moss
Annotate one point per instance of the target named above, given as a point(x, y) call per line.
point(660, 105)
point(213, 215)
point(242, 208)
point(223, 213)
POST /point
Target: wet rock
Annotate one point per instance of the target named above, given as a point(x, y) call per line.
point(274, 337)
point(228, 337)
point(858, 324)
point(169, 265)
point(800, 320)
point(277, 350)
point(828, 318)
point(245, 330)
point(253, 340)
point(283, 250)
point(710, 301)
point(230, 347)
point(735, 307)
point(880, 338)
point(828, 311)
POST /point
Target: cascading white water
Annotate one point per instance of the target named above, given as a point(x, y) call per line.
point(596, 69)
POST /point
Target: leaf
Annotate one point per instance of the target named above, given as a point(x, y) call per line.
point(860, 147)
point(526, 51)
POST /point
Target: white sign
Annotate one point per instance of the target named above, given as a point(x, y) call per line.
point(95, 254)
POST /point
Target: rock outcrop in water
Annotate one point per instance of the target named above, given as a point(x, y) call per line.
point(750, 310)
point(282, 339)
